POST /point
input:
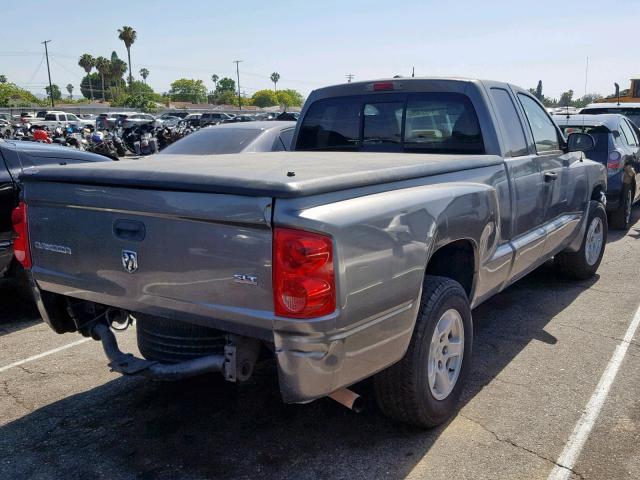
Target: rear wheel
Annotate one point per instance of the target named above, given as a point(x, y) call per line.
point(584, 263)
point(423, 388)
point(621, 218)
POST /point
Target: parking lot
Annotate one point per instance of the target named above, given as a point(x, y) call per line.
point(540, 350)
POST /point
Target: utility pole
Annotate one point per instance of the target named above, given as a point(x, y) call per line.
point(46, 52)
point(586, 77)
point(413, 72)
point(237, 62)
point(350, 77)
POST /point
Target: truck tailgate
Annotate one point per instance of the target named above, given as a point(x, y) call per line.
point(202, 257)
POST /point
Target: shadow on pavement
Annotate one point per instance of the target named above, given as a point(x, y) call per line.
point(633, 232)
point(17, 311)
point(204, 428)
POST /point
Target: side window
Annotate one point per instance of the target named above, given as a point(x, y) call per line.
point(277, 146)
point(287, 138)
point(71, 117)
point(544, 131)
point(515, 141)
point(62, 118)
point(627, 133)
point(624, 134)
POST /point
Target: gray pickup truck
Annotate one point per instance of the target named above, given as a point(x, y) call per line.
point(409, 202)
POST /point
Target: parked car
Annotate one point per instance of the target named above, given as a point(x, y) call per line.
point(15, 157)
point(193, 119)
point(617, 147)
point(342, 265)
point(109, 120)
point(54, 118)
point(629, 110)
point(7, 117)
point(214, 118)
point(137, 119)
point(234, 138)
point(173, 114)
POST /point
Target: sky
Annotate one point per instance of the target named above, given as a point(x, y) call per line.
point(314, 44)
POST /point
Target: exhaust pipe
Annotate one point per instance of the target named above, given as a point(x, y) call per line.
point(128, 364)
point(349, 399)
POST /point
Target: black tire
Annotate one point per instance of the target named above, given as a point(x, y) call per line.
point(574, 264)
point(172, 341)
point(402, 390)
point(621, 218)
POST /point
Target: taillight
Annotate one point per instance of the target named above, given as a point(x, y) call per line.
point(303, 277)
point(21, 242)
point(614, 162)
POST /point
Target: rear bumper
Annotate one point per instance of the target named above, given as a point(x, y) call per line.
point(314, 358)
point(313, 364)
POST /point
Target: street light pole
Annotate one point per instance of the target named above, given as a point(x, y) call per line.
point(237, 62)
point(46, 52)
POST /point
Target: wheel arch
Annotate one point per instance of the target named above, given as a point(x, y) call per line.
point(456, 260)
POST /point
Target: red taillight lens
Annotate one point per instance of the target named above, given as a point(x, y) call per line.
point(381, 86)
point(21, 242)
point(614, 162)
point(303, 277)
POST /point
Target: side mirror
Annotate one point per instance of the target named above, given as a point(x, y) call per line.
point(580, 142)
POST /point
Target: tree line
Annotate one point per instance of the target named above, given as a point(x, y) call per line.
point(566, 98)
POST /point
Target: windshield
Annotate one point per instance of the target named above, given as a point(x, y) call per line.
point(213, 141)
point(416, 123)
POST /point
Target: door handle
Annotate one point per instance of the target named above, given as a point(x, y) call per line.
point(550, 176)
point(129, 230)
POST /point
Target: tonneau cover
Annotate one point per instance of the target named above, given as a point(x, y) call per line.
point(277, 174)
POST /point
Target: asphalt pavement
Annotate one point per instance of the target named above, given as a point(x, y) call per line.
point(540, 350)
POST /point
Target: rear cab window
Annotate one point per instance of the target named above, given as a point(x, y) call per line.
point(412, 123)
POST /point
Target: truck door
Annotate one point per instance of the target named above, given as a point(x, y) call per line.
point(525, 176)
point(559, 218)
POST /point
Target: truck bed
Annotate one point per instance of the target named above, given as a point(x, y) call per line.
point(278, 174)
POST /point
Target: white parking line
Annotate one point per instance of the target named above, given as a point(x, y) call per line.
point(578, 438)
point(44, 354)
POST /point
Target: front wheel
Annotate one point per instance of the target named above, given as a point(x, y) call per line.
point(423, 388)
point(584, 263)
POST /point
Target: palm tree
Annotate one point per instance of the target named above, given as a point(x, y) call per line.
point(3, 79)
point(275, 76)
point(103, 65)
point(70, 90)
point(144, 73)
point(88, 62)
point(214, 79)
point(117, 68)
point(128, 35)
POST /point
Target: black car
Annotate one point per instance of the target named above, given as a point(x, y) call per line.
point(617, 146)
point(214, 118)
point(193, 119)
point(15, 157)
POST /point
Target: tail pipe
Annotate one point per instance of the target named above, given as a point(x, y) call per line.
point(349, 399)
point(128, 364)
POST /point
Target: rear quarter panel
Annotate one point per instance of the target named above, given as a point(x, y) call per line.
point(383, 237)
